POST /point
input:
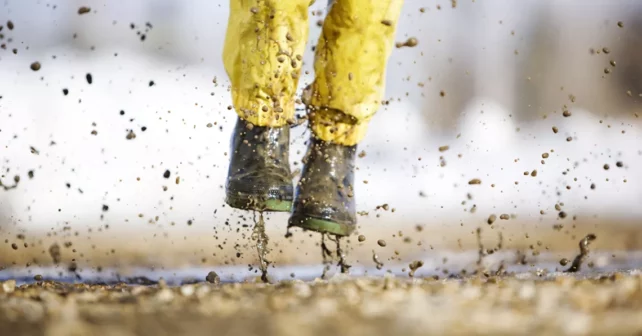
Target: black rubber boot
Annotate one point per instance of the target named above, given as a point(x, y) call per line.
point(259, 176)
point(324, 200)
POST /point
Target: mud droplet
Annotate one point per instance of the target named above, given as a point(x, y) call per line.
point(213, 278)
point(375, 258)
point(415, 265)
point(491, 219)
point(54, 252)
point(35, 66)
point(89, 78)
point(474, 181)
point(411, 42)
point(361, 238)
point(381, 242)
point(620, 24)
point(584, 252)
point(83, 10)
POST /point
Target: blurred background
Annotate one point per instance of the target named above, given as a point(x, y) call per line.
point(490, 79)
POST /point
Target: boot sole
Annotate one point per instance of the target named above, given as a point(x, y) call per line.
point(252, 202)
point(320, 225)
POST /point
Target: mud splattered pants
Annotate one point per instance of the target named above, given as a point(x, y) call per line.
point(263, 54)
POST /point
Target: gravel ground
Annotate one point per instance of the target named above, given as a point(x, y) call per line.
point(525, 303)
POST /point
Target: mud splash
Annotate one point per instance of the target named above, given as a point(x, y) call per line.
point(329, 257)
point(261, 238)
point(584, 252)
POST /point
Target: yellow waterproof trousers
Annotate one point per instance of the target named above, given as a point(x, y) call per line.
point(264, 49)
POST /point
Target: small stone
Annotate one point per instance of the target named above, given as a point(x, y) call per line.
point(83, 10)
point(491, 219)
point(474, 181)
point(361, 238)
point(35, 66)
point(38, 277)
point(381, 242)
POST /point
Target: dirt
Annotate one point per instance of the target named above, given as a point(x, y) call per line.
point(521, 304)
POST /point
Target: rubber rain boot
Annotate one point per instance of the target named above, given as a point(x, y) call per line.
point(259, 176)
point(324, 200)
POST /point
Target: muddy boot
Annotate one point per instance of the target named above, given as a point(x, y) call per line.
point(324, 199)
point(259, 177)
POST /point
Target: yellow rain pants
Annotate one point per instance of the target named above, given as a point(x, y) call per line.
point(264, 49)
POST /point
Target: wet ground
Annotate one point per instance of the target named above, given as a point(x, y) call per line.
point(597, 303)
point(604, 297)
